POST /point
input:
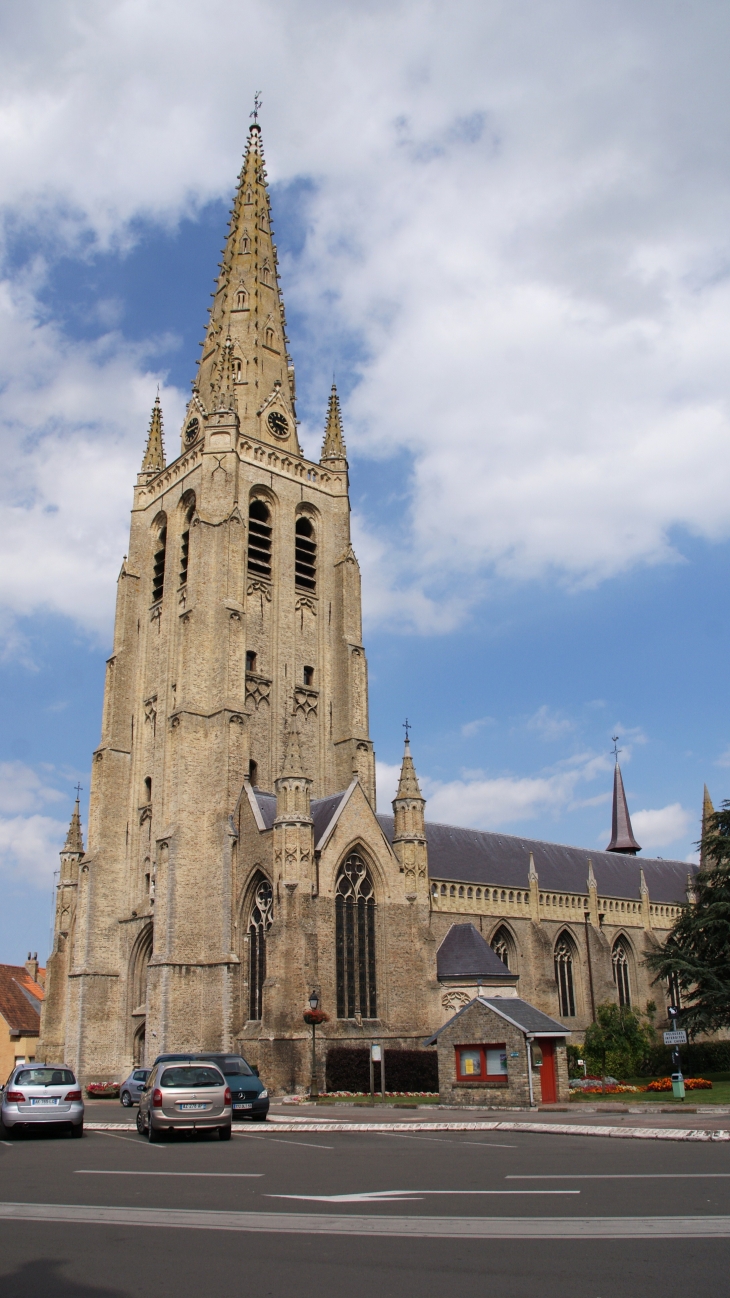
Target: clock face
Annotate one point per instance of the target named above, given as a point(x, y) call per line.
point(192, 431)
point(278, 424)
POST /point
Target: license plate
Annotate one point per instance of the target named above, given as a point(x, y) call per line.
point(45, 1099)
point(242, 1106)
point(192, 1106)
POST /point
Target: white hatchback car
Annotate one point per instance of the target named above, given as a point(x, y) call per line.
point(42, 1095)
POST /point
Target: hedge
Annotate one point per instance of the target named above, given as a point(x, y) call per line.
point(348, 1069)
point(697, 1058)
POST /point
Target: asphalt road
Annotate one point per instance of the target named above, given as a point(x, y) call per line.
point(402, 1214)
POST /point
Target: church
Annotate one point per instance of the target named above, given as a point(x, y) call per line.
point(235, 859)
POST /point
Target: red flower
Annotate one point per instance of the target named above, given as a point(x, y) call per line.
point(316, 1016)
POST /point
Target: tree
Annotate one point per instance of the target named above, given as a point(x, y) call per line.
point(696, 954)
point(618, 1031)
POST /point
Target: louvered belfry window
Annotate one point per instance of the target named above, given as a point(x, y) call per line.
point(305, 556)
point(355, 941)
point(259, 539)
point(259, 924)
point(158, 570)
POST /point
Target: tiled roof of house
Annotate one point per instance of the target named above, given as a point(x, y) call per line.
point(20, 999)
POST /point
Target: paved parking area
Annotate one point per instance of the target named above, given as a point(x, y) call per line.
point(403, 1213)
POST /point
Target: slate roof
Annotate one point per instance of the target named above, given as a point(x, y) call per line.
point(464, 953)
point(323, 809)
point(524, 1016)
point(20, 999)
point(478, 856)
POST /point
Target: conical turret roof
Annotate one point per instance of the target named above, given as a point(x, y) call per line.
point(622, 835)
point(246, 332)
point(333, 447)
point(408, 786)
point(74, 838)
point(154, 456)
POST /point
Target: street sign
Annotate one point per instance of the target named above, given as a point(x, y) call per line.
point(678, 1038)
point(375, 1054)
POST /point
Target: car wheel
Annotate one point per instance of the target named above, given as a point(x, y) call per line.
point(126, 1099)
point(140, 1124)
point(77, 1130)
point(258, 1117)
point(224, 1133)
point(153, 1135)
point(6, 1133)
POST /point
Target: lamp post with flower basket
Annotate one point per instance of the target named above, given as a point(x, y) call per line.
point(314, 1015)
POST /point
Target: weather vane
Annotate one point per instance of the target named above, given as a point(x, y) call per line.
point(256, 106)
point(407, 728)
point(616, 750)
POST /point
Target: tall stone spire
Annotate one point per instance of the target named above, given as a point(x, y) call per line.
point(409, 833)
point(707, 811)
point(333, 447)
point(245, 347)
point(622, 835)
point(74, 838)
point(154, 456)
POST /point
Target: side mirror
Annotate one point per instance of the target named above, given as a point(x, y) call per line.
point(254, 1070)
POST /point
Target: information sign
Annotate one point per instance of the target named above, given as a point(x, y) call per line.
point(676, 1038)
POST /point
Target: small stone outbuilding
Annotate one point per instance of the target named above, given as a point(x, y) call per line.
point(501, 1051)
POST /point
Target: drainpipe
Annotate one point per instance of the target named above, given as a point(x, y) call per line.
point(528, 1042)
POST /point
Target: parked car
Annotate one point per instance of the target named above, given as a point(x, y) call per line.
point(131, 1089)
point(250, 1097)
point(42, 1095)
point(185, 1095)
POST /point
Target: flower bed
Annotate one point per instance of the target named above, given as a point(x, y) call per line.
point(102, 1090)
point(611, 1088)
point(392, 1095)
point(690, 1084)
point(662, 1084)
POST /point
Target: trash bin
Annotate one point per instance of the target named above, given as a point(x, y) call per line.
point(678, 1086)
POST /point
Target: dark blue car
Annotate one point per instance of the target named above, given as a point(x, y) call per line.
point(249, 1096)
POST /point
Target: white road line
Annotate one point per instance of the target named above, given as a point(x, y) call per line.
point(107, 1171)
point(619, 1176)
point(666, 1229)
point(113, 1136)
point(483, 1144)
point(400, 1196)
point(304, 1143)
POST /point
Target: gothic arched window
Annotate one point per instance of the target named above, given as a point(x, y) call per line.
point(245, 244)
point(564, 955)
point(258, 925)
point(266, 274)
point(620, 962)
point(355, 941)
point(188, 503)
point(158, 568)
point(241, 299)
point(259, 539)
point(504, 947)
point(305, 555)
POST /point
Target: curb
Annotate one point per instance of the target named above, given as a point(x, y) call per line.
point(538, 1128)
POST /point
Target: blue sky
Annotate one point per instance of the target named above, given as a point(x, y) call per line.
point(509, 241)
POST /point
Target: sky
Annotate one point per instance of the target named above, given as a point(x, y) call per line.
point(505, 229)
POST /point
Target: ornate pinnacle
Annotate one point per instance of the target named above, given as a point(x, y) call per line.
point(154, 456)
point(74, 838)
point(226, 396)
point(408, 786)
point(333, 447)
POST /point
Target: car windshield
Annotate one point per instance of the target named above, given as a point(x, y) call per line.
point(45, 1077)
point(173, 1078)
point(235, 1066)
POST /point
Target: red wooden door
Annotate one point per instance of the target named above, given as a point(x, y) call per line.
point(547, 1072)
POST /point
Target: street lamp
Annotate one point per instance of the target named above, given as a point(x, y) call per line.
point(313, 1003)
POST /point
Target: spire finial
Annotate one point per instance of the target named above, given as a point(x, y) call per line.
point(407, 727)
point(615, 750)
point(256, 106)
point(154, 456)
point(333, 447)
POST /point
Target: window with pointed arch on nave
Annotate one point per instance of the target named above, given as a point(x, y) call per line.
point(564, 956)
point(355, 941)
point(260, 921)
point(620, 963)
point(503, 946)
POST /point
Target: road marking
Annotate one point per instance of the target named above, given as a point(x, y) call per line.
point(112, 1136)
point(414, 1227)
point(304, 1143)
point(106, 1171)
point(619, 1176)
point(398, 1196)
point(483, 1144)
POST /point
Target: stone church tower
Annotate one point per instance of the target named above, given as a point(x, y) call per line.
point(237, 667)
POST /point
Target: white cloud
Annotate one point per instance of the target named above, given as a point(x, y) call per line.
point(663, 826)
point(21, 789)
point(29, 847)
point(471, 728)
point(386, 781)
point(549, 725)
point(520, 215)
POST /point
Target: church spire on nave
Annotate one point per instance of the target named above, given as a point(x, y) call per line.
point(622, 835)
point(245, 360)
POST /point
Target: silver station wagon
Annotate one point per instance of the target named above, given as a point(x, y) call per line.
point(185, 1096)
point(42, 1095)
